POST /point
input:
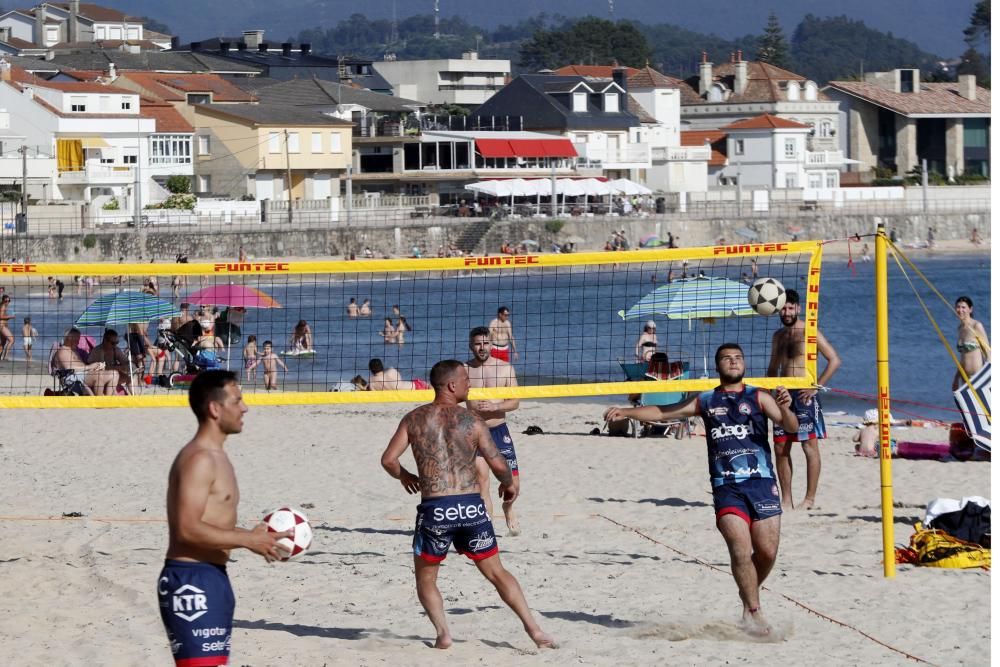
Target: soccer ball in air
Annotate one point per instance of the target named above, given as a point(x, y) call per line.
point(289, 518)
point(766, 296)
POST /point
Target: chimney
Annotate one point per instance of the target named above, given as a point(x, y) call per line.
point(223, 48)
point(967, 86)
point(470, 55)
point(704, 74)
point(286, 49)
point(112, 71)
point(4, 33)
point(241, 46)
point(73, 28)
point(305, 48)
point(740, 77)
point(4, 70)
point(195, 46)
point(620, 76)
point(253, 38)
point(40, 25)
point(175, 43)
point(262, 47)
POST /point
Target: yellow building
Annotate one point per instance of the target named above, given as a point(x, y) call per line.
point(269, 151)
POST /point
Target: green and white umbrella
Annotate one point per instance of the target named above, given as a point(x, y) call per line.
point(703, 298)
point(124, 308)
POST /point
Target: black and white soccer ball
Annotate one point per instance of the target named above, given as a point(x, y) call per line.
point(766, 296)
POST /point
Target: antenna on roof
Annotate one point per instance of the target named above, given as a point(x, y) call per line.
point(437, 19)
point(394, 32)
point(611, 9)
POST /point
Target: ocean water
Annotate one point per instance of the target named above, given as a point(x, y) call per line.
point(568, 330)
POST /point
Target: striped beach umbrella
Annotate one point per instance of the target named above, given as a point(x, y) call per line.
point(123, 308)
point(693, 299)
point(975, 402)
point(703, 298)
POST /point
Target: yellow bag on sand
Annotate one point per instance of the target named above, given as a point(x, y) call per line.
point(935, 548)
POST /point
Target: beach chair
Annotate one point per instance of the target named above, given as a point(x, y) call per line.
point(658, 368)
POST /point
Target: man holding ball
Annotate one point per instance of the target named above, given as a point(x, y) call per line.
point(747, 506)
point(196, 599)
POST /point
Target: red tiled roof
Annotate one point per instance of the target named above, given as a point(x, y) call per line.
point(19, 43)
point(83, 74)
point(647, 77)
point(765, 121)
point(717, 139)
point(81, 87)
point(168, 119)
point(96, 12)
point(174, 87)
point(598, 71)
point(933, 98)
point(763, 84)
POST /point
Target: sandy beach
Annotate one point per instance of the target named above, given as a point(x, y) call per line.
point(619, 557)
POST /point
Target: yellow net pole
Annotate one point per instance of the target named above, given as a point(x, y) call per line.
point(882, 365)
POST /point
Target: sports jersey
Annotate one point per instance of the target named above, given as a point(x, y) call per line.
point(736, 431)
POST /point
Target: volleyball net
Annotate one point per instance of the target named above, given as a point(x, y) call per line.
point(312, 332)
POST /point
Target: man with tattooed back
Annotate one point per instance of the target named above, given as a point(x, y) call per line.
point(445, 438)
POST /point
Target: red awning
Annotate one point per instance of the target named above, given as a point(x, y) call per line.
point(525, 148)
point(494, 148)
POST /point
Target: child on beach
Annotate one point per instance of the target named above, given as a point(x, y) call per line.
point(250, 359)
point(28, 335)
point(271, 361)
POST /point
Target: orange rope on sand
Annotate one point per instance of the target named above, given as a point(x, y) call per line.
point(790, 599)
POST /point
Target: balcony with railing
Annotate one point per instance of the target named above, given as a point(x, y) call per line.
point(681, 153)
point(623, 157)
point(824, 158)
point(97, 174)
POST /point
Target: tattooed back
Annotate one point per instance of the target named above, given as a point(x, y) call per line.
point(444, 441)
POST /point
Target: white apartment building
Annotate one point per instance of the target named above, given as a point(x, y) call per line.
point(103, 143)
point(467, 81)
point(53, 23)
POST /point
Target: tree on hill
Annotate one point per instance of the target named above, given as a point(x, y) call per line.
point(839, 48)
point(772, 47)
point(587, 41)
point(677, 51)
point(979, 25)
point(973, 63)
point(152, 24)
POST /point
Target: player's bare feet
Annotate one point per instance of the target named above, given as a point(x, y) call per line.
point(513, 527)
point(543, 640)
point(808, 504)
point(443, 642)
point(787, 506)
point(755, 624)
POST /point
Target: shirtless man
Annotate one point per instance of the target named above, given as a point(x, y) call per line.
point(486, 370)
point(113, 357)
point(95, 378)
point(502, 335)
point(445, 439)
point(352, 308)
point(788, 359)
point(747, 507)
point(196, 599)
point(389, 379)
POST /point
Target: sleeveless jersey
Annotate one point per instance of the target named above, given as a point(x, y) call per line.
point(736, 431)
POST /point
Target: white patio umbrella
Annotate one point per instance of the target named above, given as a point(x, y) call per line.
point(626, 187)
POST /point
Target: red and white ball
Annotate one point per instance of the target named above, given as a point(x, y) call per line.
point(766, 296)
point(290, 518)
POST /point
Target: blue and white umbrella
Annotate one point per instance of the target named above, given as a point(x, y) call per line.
point(124, 308)
point(702, 298)
point(973, 399)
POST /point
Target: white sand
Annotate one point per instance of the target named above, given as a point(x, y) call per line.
point(81, 591)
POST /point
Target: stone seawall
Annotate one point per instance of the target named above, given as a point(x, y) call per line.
point(428, 235)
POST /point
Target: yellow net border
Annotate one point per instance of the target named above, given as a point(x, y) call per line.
point(14, 272)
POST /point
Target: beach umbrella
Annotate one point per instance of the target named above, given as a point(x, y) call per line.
point(232, 296)
point(746, 233)
point(125, 307)
point(973, 399)
point(529, 242)
point(651, 243)
point(643, 240)
point(626, 187)
point(703, 298)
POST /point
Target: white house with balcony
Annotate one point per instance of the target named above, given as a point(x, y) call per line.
point(767, 151)
point(466, 81)
point(104, 144)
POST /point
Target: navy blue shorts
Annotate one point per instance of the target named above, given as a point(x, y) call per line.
point(459, 519)
point(196, 606)
point(503, 441)
point(810, 416)
point(751, 500)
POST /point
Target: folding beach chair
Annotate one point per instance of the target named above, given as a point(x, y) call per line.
point(658, 368)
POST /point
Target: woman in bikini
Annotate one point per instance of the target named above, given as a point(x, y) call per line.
point(973, 345)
